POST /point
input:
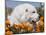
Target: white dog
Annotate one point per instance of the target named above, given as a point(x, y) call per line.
point(23, 12)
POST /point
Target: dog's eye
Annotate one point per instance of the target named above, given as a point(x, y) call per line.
point(33, 12)
point(26, 10)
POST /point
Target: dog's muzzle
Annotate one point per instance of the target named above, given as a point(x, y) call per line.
point(33, 20)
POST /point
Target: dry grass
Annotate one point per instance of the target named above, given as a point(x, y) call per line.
point(26, 26)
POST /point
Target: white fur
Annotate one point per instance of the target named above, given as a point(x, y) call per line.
point(19, 15)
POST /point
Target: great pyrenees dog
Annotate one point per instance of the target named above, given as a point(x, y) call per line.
point(23, 12)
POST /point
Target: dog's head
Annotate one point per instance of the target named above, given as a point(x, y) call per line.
point(24, 12)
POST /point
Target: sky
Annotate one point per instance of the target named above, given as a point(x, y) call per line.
point(13, 4)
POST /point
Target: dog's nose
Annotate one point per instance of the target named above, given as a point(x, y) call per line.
point(33, 21)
